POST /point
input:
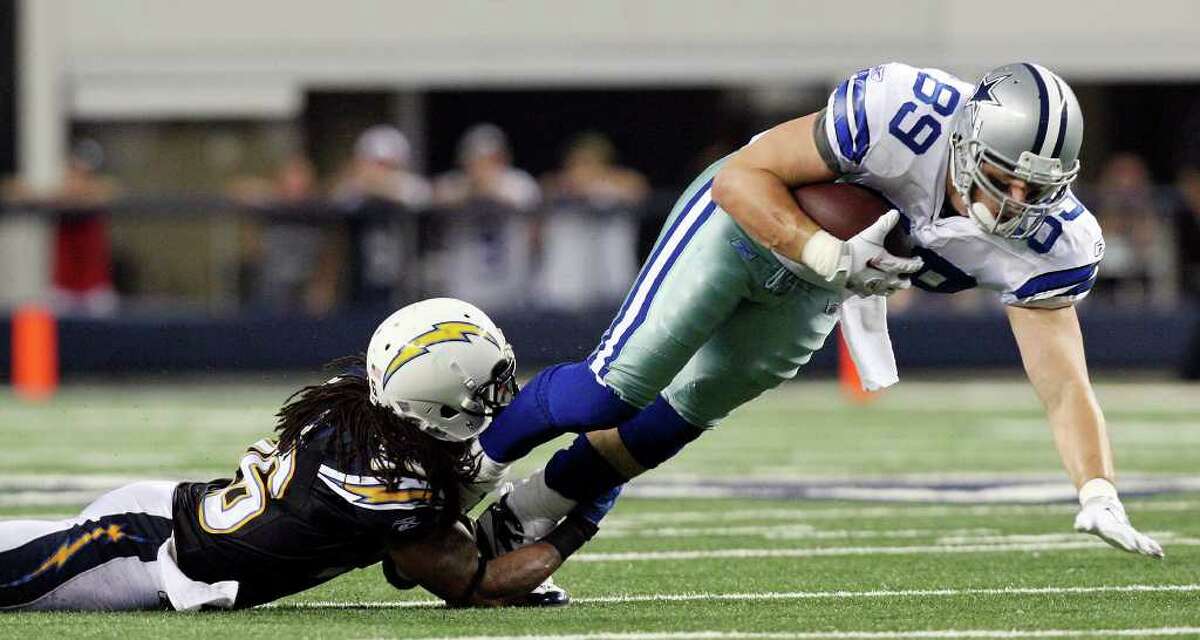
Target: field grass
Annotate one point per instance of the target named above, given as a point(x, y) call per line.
point(721, 542)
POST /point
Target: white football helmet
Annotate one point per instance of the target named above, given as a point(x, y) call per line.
point(1023, 121)
point(444, 363)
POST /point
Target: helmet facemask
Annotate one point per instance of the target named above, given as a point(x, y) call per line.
point(484, 401)
point(489, 398)
point(1045, 178)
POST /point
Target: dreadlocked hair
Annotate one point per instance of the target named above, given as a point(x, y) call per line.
point(368, 435)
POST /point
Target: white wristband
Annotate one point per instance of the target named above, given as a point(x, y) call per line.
point(1097, 488)
point(823, 254)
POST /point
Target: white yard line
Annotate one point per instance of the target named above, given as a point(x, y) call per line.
point(648, 556)
point(896, 489)
point(850, 635)
point(659, 517)
point(787, 532)
point(784, 595)
point(1018, 538)
point(808, 532)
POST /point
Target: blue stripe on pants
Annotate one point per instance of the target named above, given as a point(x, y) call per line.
point(604, 353)
point(662, 274)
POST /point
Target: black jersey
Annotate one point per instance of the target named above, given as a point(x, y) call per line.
point(291, 520)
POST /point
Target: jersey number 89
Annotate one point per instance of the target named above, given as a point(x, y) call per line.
point(921, 133)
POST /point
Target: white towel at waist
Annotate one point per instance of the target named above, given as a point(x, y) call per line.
point(864, 326)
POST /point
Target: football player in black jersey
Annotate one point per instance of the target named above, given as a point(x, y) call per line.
point(375, 465)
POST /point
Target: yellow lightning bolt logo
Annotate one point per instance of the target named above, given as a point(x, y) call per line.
point(68, 550)
point(381, 495)
point(442, 332)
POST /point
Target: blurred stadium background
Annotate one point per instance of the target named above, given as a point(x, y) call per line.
point(250, 186)
point(207, 201)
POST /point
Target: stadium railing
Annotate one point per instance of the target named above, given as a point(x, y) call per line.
point(219, 322)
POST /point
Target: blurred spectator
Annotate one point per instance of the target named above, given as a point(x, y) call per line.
point(83, 269)
point(82, 276)
point(381, 169)
point(293, 263)
point(293, 182)
point(486, 173)
point(1187, 230)
point(380, 192)
point(588, 235)
point(1139, 263)
point(1187, 234)
point(590, 173)
point(488, 236)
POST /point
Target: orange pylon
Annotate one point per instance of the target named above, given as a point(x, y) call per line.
point(34, 353)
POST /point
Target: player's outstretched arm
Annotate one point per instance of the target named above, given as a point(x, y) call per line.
point(1051, 346)
point(448, 564)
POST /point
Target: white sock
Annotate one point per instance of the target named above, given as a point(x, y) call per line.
point(490, 471)
point(491, 475)
point(537, 506)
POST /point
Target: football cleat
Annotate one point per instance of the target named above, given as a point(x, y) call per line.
point(498, 531)
point(546, 594)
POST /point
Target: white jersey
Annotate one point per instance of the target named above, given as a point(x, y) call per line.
point(888, 128)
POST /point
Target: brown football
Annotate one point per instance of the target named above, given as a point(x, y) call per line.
point(845, 209)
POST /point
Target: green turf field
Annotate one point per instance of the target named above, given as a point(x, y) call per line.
point(700, 549)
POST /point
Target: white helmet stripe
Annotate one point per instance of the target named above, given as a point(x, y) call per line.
point(1062, 119)
point(1040, 138)
point(1054, 121)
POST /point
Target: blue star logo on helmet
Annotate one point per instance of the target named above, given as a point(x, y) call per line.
point(983, 93)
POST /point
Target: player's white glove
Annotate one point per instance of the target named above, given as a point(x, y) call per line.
point(1103, 516)
point(859, 264)
point(870, 269)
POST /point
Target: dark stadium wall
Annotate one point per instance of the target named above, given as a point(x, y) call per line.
point(153, 345)
point(8, 87)
point(663, 133)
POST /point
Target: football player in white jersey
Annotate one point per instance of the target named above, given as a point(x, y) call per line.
point(980, 176)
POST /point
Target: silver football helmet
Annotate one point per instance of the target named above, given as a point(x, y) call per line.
point(1025, 122)
point(443, 363)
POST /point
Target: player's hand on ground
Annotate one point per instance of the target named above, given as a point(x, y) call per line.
point(870, 269)
point(1104, 517)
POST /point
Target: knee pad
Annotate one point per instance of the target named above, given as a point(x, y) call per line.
point(657, 433)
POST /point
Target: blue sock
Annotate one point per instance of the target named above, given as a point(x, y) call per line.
point(561, 399)
point(599, 507)
point(657, 433)
point(652, 437)
point(580, 473)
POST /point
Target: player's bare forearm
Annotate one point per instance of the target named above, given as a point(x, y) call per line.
point(516, 573)
point(447, 565)
point(1051, 346)
point(752, 185)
